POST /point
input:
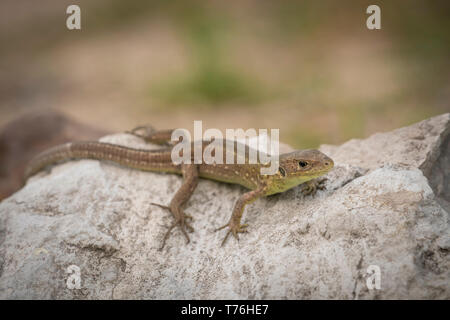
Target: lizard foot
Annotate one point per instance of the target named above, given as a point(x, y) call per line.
point(181, 219)
point(147, 131)
point(151, 135)
point(311, 187)
point(234, 230)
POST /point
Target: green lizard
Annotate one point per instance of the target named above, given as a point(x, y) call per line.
point(297, 167)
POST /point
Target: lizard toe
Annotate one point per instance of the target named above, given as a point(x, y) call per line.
point(234, 229)
point(181, 220)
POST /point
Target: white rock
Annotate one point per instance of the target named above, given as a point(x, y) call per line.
point(386, 204)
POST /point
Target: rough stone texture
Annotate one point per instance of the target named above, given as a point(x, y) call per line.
point(386, 204)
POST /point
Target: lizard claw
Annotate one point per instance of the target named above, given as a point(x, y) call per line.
point(186, 216)
point(235, 229)
point(148, 130)
point(321, 184)
point(311, 187)
point(180, 220)
point(150, 135)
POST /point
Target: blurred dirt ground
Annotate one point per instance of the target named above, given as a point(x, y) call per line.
point(311, 69)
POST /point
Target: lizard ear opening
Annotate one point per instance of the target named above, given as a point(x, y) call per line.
point(282, 171)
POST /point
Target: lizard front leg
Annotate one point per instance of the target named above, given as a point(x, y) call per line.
point(190, 176)
point(235, 221)
point(310, 187)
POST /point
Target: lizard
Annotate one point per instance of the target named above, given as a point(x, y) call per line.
point(294, 168)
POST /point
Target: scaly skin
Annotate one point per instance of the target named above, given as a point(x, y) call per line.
point(301, 166)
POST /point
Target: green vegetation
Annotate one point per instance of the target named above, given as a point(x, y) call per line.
point(305, 138)
point(209, 85)
point(210, 80)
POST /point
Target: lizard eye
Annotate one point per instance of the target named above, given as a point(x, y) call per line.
point(282, 171)
point(302, 164)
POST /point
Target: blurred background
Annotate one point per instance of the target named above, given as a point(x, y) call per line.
point(310, 68)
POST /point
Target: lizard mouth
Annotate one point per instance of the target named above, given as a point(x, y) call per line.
point(327, 168)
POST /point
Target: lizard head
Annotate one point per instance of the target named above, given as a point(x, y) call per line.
point(298, 167)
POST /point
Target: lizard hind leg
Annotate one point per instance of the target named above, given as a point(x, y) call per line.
point(190, 175)
point(143, 131)
point(151, 135)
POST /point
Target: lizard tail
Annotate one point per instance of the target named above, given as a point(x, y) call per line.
point(148, 160)
point(48, 157)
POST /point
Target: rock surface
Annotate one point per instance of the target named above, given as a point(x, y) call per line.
point(386, 205)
